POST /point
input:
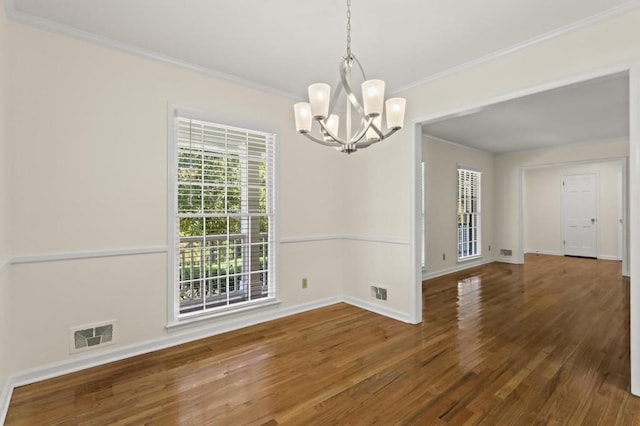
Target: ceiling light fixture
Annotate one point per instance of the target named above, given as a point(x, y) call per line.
point(369, 112)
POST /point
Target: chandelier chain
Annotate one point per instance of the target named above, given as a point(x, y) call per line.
point(348, 28)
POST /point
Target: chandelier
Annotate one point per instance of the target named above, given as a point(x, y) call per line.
point(369, 112)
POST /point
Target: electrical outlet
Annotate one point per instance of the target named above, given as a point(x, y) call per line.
point(304, 283)
point(444, 257)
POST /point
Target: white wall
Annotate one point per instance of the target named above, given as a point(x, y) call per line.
point(376, 192)
point(542, 207)
point(441, 163)
point(4, 246)
point(88, 132)
point(508, 172)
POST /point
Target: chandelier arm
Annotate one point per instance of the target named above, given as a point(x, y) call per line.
point(333, 136)
point(367, 144)
point(347, 86)
point(364, 77)
point(334, 98)
point(377, 130)
point(364, 145)
point(320, 141)
point(367, 123)
point(389, 133)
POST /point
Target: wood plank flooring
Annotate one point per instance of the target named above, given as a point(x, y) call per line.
point(543, 343)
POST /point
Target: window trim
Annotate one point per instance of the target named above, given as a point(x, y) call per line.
point(470, 168)
point(174, 319)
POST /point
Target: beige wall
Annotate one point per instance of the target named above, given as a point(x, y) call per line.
point(4, 246)
point(542, 207)
point(88, 132)
point(377, 193)
point(441, 162)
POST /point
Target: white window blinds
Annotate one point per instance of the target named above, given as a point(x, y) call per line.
point(224, 216)
point(468, 214)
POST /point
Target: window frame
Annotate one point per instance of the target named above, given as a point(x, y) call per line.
point(478, 213)
point(174, 318)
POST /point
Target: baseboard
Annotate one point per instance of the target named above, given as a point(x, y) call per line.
point(426, 275)
point(607, 257)
point(547, 252)
point(559, 253)
point(5, 398)
point(378, 309)
point(511, 260)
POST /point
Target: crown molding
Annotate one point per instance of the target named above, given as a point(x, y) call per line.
point(585, 22)
point(55, 27)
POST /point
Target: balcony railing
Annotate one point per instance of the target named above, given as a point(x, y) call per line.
point(218, 270)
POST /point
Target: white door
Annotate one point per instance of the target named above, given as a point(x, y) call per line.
point(580, 202)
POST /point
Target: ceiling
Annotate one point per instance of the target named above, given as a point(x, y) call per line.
point(588, 111)
point(282, 46)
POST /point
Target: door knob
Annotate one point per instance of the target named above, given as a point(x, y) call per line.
point(593, 220)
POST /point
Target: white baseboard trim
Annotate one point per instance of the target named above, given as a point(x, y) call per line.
point(426, 275)
point(547, 252)
point(608, 257)
point(116, 354)
point(5, 398)
point(511, 260)
point(375, 308)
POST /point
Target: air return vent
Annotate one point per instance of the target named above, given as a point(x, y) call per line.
point(378, 292)
point(91, 336)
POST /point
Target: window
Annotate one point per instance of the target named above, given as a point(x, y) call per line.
point(468, 214)
point(223, 217)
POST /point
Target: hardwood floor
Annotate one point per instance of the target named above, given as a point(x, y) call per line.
point(543, 343)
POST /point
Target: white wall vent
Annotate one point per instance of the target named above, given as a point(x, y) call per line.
point(91, 336)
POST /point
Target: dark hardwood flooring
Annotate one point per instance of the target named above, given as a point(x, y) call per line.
point(543, 343)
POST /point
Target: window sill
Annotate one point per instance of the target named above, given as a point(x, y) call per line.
point(204, 317)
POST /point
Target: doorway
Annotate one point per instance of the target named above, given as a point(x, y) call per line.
point(510, 215)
